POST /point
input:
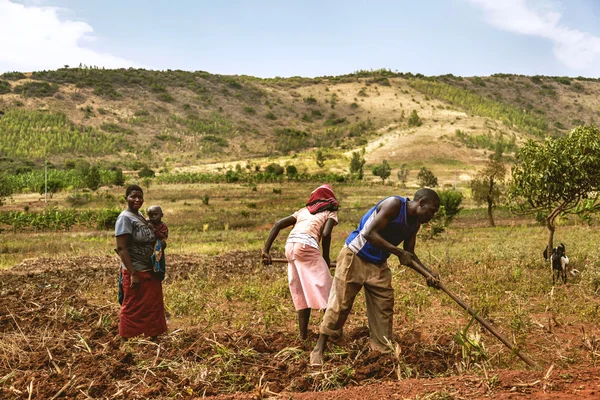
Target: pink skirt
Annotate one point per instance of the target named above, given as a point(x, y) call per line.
point(308, 276)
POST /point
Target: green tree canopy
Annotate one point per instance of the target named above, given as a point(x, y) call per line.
point(558, 176)
point(357, 163)
point(487, 188)
point(426, 178)
point(382, 170)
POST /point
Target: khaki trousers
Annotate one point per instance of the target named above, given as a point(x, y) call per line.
point(351, 274)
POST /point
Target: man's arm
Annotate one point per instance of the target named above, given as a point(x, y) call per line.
point(388, 210)
point(409, 245)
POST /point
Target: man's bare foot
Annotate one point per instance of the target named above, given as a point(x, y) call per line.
point(123, 341)
point(316, 358)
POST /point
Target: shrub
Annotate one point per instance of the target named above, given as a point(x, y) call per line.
point(205, 199)
point(13, 76)
point(274, 169)
point(451, 201)
point(4, 87)
point(357, 163)
point(271, 116)
point(291, 170)
point(414, 119)
point(426, 178)
point(249, 110)
point(119, 179)
point(310, 100)
point(166, 97)
point(382, 170)
point(36, 89)
point(92, 178)
point(146, 173)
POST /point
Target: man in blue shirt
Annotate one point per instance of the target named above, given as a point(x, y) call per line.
point(362, 262)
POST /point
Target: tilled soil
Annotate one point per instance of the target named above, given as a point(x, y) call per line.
point(55, 343)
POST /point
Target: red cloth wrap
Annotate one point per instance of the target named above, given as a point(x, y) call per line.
point(322, 199)
point(143, 309)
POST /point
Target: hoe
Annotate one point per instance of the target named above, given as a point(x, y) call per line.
point(420, 268)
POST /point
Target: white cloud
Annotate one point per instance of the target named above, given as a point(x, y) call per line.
point(35, 37)
point(577, 50)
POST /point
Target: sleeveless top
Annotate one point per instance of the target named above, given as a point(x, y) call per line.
point(397, 230)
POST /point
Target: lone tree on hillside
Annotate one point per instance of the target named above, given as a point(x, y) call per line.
point(486, 187)
point(383, 171)
point(6, 189)
point(557, 177)
point(402, 175)
point(426, 178)
point(357, 163)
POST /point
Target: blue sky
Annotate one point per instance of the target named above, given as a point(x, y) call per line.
point(305, 38)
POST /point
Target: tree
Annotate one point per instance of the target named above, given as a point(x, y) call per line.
point(426, 178)
point(382, 170)
point(320, 158)
point(357, 163)
point(6, 189)
point(119, 179)
point(54, 186)
point(92, 179)
point(274, 169)
point(146, 173)
point(291, 171)
point(450, 201)
point(486, 187)
point(403, 175)
point(558, 177)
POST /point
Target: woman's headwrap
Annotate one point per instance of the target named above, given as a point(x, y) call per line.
point(322, 199)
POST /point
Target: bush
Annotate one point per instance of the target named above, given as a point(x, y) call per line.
point(4, 87)
point(249, 110)
point(119, 179)
point(271, 116)
point(205, 199)
point(426, 178)
point(274, 169)
point(13, 76)
point(36, 89)
point(166, 97)
point(310, 100)
point(106, 219)
point(291, 170)
point(414, 119)
point(451, 201)
point(146, 173)
point(382, 170)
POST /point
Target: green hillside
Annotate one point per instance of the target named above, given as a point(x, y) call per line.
point(196, 121)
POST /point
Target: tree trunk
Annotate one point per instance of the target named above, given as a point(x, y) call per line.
point(490, 201)
point(490, 215)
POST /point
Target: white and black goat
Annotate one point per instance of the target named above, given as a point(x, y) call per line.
point(559, 262)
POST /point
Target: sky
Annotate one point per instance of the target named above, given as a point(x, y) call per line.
point(269, 38)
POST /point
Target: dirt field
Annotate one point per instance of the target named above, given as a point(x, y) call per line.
point(59, 343)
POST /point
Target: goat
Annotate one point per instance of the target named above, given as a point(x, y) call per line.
point(560, 262)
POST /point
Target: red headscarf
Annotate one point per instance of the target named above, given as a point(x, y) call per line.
point(322, 199)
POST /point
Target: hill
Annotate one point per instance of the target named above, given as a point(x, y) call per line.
point(196, 121)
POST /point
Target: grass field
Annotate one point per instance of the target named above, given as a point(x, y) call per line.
point(222, 303)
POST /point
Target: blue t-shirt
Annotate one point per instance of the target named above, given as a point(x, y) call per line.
point(397, 230)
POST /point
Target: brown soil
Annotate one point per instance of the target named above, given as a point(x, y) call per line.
point(55, 342)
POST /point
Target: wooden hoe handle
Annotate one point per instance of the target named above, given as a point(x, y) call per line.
point(423, 271)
